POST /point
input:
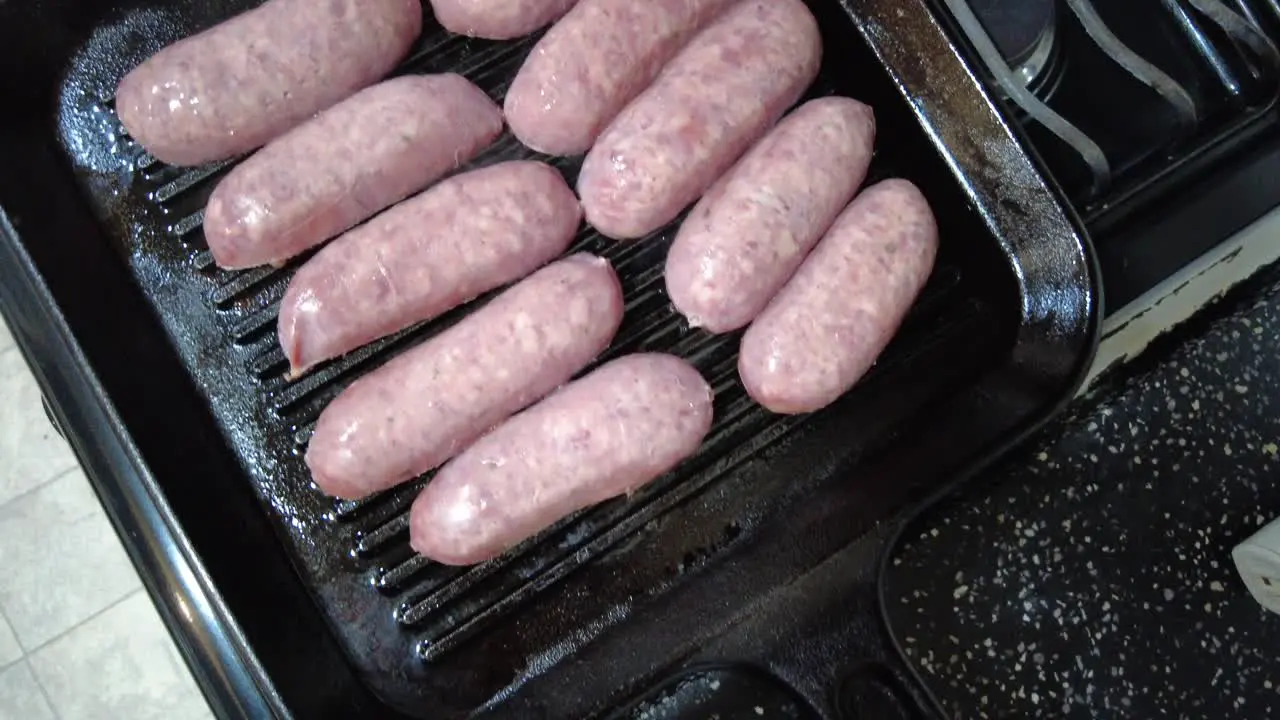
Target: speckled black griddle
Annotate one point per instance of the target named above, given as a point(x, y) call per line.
point(1091, 576)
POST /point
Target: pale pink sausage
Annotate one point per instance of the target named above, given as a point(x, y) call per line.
point(592, 63)
point(346, 165)
point(498, 19)
point(826, 328)
point(716, 98)
point(751, 231)
point(602, 436)
point(248, 80)
point(468, 235)
point(427, 404)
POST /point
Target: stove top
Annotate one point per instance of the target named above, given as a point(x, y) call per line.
point(1157, 119)
point(1163, 142)
point(1025, 34)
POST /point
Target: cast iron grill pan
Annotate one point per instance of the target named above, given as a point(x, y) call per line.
point(404, 621)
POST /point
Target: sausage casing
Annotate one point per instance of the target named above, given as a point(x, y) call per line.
point(755, 226)
point(248, 80)
point(601, 436)
point(835, 316)
point(430, 402)
point(592, 63)
point(346, 165)
point(467, 235)
point(707, 107)
point(498, 19)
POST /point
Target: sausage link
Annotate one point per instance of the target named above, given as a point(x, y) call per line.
point(592, 63)
point(602, 436)
point(469, 234)
point(427, 404)
point(346, 165)
point(755, 226)
point(498, 19)
point(716, 98)
point(246, 81)
point(835, 316)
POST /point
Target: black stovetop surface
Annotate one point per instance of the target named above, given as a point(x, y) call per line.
point(1180, 107)
point(1089, 575)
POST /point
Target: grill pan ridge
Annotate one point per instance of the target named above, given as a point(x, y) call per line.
point(428, 640)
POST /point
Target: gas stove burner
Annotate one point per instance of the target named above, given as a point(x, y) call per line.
point(1025, 33)
point(1018, 21)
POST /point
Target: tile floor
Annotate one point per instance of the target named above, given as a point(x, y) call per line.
point(92, 646)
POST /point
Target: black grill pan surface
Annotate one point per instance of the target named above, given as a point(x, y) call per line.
point(165, 373)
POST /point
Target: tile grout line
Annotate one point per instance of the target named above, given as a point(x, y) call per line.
point(26, 655)
point(44, 692)
point(25, 659)
point(22, 652)
point(115, 603)
point(48, 699)
point(46, 483)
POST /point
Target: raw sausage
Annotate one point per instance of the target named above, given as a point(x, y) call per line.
point(755, 226)
point(427, 404)
point(602, 436)
point(716, 98)
point(248, 80)
point(822, 333)
point(345, 165)
point(592, 63)
point(469, 234)
point(498, 19)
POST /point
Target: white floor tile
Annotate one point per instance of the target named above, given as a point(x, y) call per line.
point(31, 452)
point(20, 695)
point(120, 664)
point(10, 650)
point(62, 560)
point(6, 337)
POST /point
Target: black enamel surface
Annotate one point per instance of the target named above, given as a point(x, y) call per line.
point(1089, 575)
point(602, 607)
point(719, 693)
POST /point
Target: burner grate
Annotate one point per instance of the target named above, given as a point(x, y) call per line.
point(1116, 97)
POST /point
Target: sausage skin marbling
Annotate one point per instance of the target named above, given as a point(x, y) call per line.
point(346, 165)
point(498, 19)
point(835, 316)
point(467, 235)
point(248, 80)
point(592, 63)
point(747, 236)
point(430, 402)
point(601, 436)
point(727, 87)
